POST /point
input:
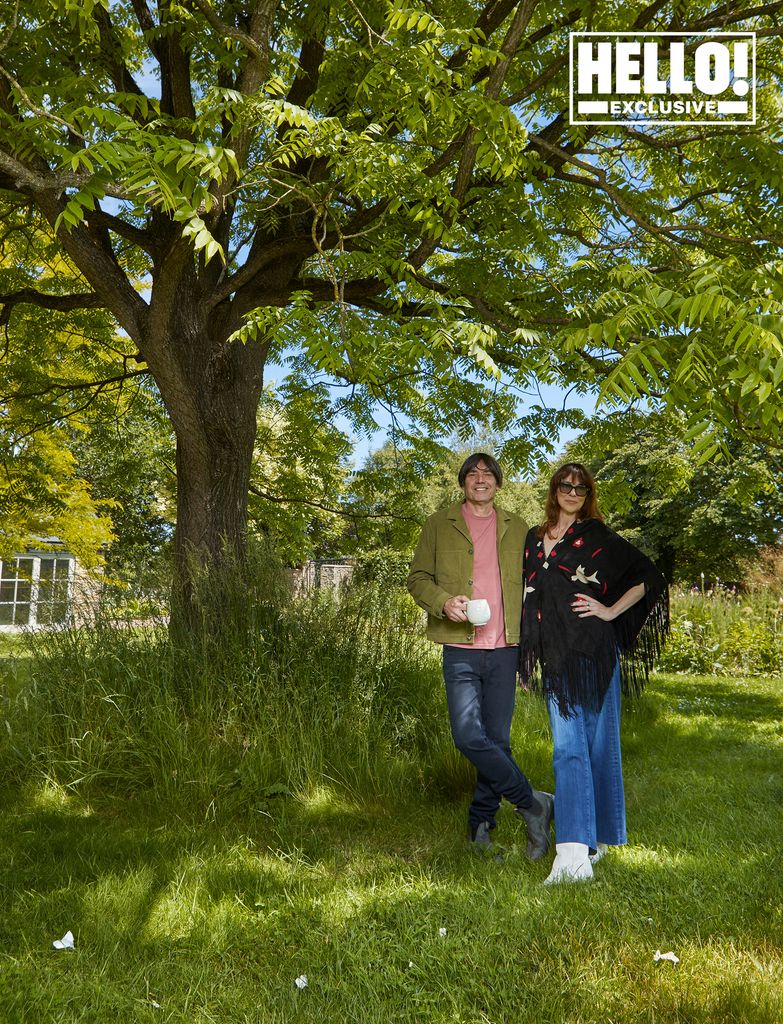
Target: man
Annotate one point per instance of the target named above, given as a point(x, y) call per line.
point(467, 551)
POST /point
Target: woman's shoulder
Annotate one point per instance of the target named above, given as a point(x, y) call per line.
point(613, 541)
point(595, 526)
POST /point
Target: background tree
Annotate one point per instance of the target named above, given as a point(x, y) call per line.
point(229, 177)
point(691, 516)
point(299, 473)
point(395, 490)
point(124, 451)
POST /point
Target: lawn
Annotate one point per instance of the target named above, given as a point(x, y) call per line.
point(389, 915)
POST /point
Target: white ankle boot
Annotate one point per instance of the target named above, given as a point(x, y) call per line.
point(571, 864)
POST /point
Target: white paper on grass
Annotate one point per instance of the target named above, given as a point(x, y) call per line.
point(66, 942)
point(301, 981)
point(666, 956)
point(442, 932)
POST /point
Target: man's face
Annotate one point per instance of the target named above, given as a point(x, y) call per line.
point(480, 485)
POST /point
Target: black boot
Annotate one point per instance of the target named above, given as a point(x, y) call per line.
point(479, 836)
point(538, 818)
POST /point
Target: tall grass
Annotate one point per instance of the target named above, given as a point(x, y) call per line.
point(286, 693)
point(723, 633)
point(337, 685)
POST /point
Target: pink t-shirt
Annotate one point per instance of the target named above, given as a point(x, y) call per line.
point(486, 578)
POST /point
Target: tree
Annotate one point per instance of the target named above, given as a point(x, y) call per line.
point(395, 490)
point(43, 492)
point(125, 453)
point(84, 442)
point(341, 177)
point(692, 517)
point(299, 473)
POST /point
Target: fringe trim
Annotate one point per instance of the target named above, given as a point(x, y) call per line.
point(579, 682)
point(583, 681)
point(639, 653)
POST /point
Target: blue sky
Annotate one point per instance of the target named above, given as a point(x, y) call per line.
point(552, 396)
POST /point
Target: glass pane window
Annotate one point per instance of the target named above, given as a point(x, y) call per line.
point(35, 590)
point(15, 588)
point(53, 591)
point(25, 568)
point(22, 615)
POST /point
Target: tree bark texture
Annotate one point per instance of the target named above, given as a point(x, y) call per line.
point(210, 387)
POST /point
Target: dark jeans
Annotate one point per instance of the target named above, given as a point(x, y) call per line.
point(480, 690)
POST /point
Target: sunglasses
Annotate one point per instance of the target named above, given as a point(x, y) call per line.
point(579, 489)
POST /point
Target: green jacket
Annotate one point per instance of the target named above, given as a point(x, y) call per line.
point(442, 567)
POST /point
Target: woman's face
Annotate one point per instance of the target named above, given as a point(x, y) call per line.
point(570, 502)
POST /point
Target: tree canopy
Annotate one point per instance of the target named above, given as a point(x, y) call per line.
point(391, 196)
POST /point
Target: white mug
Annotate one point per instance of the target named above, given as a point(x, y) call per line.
point(478, 612)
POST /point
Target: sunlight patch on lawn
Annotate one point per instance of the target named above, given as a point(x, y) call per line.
point(50, 797)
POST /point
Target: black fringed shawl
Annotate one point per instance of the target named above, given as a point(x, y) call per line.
point(577, 656)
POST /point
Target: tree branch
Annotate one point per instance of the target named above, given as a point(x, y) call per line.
point(19, 178)
point(494, 84)
point(229, 31)
point(60, 303)
point(174, 60)
point(111, 49)
point(144, 239)
point(101, 385)
point(727, 15)
point(311, 56)
point(345, 513)
point(273, 253)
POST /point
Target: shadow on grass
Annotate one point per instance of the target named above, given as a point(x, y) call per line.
point(734, 700)
point(218, 919)
point(356, 897)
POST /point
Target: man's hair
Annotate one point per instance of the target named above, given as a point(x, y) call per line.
point(473, 460)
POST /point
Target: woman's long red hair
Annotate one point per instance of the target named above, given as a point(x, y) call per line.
point(590, 508)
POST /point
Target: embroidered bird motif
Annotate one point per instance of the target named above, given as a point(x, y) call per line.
point(581, 578)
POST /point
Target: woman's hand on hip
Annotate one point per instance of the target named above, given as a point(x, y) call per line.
point(586, 606)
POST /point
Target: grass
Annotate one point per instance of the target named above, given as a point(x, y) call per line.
point(213, 919)
point(724, 633)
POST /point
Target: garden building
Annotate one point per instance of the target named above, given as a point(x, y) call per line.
point(43, 587)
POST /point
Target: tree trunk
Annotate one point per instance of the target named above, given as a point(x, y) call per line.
point(213, 474)
point(211, 389)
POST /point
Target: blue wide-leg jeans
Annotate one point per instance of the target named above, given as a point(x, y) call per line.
point(589, 796)
point(480, 691)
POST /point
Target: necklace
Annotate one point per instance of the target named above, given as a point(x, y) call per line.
point(558, 537)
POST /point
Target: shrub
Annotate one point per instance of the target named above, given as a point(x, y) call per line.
point(384, 566)
point(722, 633)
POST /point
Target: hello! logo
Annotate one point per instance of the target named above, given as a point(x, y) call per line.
point(662, 78)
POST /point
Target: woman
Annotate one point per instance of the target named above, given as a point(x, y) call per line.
point(595, 612)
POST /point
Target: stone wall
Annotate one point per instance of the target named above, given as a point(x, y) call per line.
point(321, 572)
